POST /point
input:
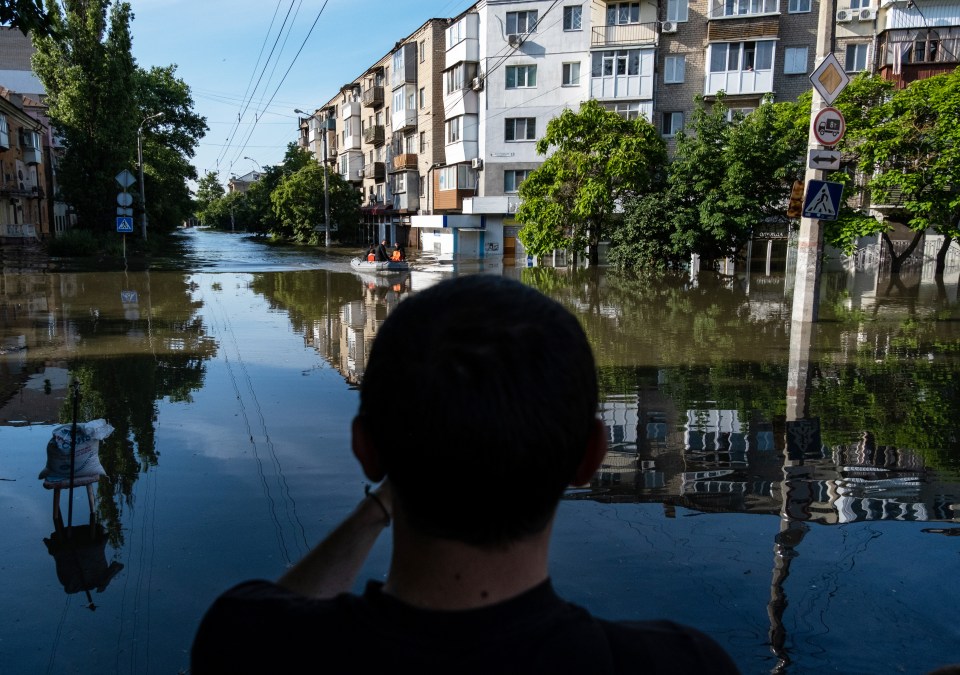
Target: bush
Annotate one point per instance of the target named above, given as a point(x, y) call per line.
point(74, 243)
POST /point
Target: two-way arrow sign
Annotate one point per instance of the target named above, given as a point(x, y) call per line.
point(825, 160)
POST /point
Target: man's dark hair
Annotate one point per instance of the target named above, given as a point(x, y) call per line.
point(480, 395)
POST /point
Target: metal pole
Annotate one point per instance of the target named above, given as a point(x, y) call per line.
point(806, 289)
point(143, 196)
point(326, 189)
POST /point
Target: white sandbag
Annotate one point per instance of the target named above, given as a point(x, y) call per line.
point(87, 452)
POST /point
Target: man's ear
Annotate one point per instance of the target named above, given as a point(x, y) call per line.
point(596, 451)
point(365, 452)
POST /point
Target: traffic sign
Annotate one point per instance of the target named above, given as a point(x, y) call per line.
point(124, 224)
point(829, 78)
point(124, 212)
point(124, 198)
point(823, 200)
point(829, 126)
point(824, 160)
point(126, 179)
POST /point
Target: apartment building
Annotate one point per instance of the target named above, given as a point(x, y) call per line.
point(440, 132)
point(24, 184)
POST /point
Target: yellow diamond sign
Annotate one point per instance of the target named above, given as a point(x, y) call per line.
point(829, 78)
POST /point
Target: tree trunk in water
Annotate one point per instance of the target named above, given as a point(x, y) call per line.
point(896, 261)
point(942, 255)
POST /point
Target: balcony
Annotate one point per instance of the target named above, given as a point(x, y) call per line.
point(404, 162)
point(401, 120)
point(623, 34)
point(373, 135)
point(350, 109)
point(31, 156)
point(491, 205)
point(372, 97)
point(375, 170)
point(406, 201)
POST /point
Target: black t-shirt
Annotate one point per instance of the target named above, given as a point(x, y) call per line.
point(258, 627)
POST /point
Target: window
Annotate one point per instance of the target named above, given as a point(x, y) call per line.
point(798, 6)
point(741, 56)
point(520, 129)
point(456, 33)
point(423, 142)
point(859, 4)
point(410, 144)
point(4, 134)
point(522, 22)
point(677, 10)
point(674, 69)
point(571, 74)
point(398, 99)
point(672, 123)
point(573, 17)
point(620, 62)
point(737, 114)
point(453, 130)
point(619, 13)
point(423, 98)
point(628, 111)
point(513, 177)
point(459, 77)
point(745, 7)
point(795, 61)
point(519, 77)
point(856, 58)
point(423, 50)
point(456, 177)
point(400, 182)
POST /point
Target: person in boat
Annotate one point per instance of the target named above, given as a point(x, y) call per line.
point(398, 254)
point(468, 587)
point(382, 254)
point(372, 254)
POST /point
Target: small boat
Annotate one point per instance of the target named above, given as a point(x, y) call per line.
point(379, 266)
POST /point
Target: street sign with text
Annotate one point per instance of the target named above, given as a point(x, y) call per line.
point(829, 126)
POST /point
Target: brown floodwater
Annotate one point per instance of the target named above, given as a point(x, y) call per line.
point(790, 490)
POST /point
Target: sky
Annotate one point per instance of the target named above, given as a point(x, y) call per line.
point(221, 49)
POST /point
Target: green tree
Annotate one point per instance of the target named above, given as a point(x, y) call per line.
point(298, 204)
point(88, 72)
point(597, 160)
point(209, 192)
point(911, 156)
point(27, 16)
point(168, 145)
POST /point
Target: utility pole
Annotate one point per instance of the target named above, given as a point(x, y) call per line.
point(143, 196)
point(326, 188)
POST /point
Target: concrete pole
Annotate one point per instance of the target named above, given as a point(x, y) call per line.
point(143, 196)
point(806, 289)
point(326, 189)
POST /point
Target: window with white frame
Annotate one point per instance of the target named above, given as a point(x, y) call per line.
point(399, 99)
point(798, 6)
point(571, 74)
point(745, 7)
point(423, 50)
point(410, 144)
point(741, 56)
point(674, 69)
point(573, 17)
point(737, 114)
point(672, 123)
point(453, 130)
point(4, 134)
point(856, 57)
point(859, 4)
point(459, 77)
point(456, 33)
point(795, 60)
point(619, 62)
point(520, 129)
point(522, 22)
point(678, 10)
point(627, 110)
point(519, 77)
point(620, 13)
point(399, 182)
point(512, 179)
point(456, 177)
point(423, 142)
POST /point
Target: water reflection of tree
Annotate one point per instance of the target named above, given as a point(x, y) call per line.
point(307, 296)
point(163, 357)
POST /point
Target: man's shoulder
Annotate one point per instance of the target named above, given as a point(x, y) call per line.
point(664, 646)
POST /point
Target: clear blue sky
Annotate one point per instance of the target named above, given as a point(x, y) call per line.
point(217, 46)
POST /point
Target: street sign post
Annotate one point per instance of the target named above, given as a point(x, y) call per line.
point(822, 200)
point(829, 126)
point(125, 179)
point(824, 160)
point(829, 79)
point(124, 224)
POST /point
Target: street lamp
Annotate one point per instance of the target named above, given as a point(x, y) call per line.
point(326, 189)
point(143, 197)
point(259, 168)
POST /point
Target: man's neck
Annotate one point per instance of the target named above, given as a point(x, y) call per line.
point(442, 574)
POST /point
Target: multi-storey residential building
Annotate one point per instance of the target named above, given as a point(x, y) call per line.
point(915, 38)
point(24, 183)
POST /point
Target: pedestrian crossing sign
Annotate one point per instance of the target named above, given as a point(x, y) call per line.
point(822, 200)
point(124, 224)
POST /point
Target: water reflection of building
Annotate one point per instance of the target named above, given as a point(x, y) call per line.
point(713, 460)
point(345, 334)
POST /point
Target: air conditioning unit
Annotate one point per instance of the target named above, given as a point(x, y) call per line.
point(844, 16)
point(476, 163)
point(867, 14)
point(514, 40)
point(512, 206)
point(359, 173)
point(477, 84)
point(668, 27)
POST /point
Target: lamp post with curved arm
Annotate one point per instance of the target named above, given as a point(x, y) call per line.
point(143, 197)
point(259, 168)
point(326, 189)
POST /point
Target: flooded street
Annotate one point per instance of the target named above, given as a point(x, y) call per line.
point(791, 493)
